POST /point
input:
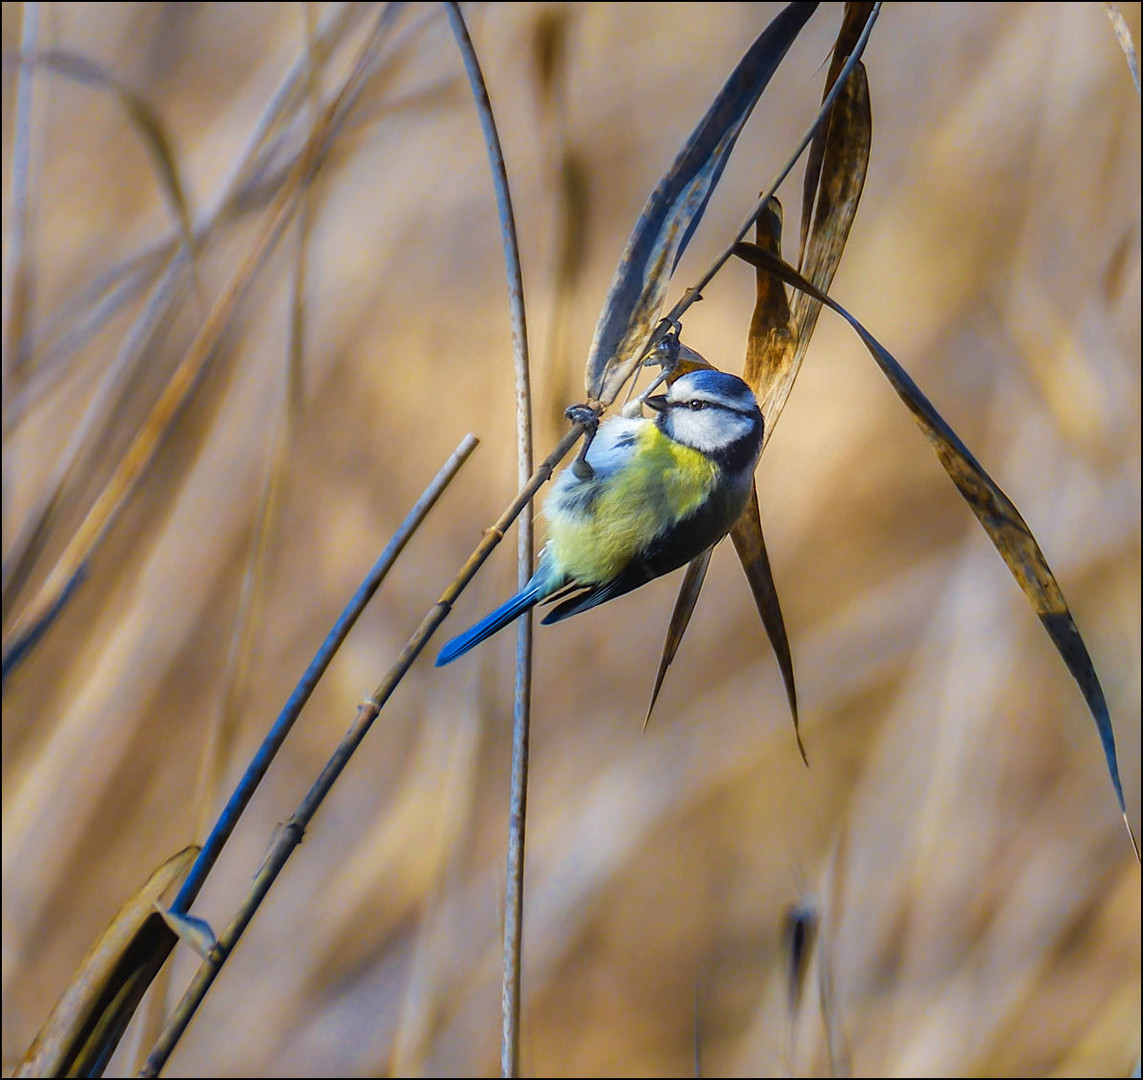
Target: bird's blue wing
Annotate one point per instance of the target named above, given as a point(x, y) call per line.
point(690, 537)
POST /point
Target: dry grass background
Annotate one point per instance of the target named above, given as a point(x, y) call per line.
point(956, 828)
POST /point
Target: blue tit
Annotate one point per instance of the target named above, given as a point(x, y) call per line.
point(661, 491)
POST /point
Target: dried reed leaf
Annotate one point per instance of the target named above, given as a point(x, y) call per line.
point(751, 548)
point(852, 24)
point(995, 511)
point(845, 161)
point(772, 340)
point(674, 210)
point(82, 1031)
point(768, 351)
point(680, 618)
point(686, 360)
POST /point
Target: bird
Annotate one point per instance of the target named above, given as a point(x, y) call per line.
point(660, 490)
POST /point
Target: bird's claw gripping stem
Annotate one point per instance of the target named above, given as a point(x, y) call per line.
point(586, 415)
point(665, 353)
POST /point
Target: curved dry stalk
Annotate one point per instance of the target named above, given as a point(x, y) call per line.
point(521, 713)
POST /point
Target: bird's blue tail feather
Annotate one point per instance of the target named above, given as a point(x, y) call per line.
point(528, 597)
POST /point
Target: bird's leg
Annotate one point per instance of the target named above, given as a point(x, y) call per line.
point(665, 354)
point(586, 415)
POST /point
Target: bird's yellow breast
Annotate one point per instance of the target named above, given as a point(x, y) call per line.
point(662, 483)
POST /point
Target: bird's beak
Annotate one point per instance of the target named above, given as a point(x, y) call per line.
point(658, 402)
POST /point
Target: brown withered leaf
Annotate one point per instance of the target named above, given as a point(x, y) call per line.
point(82, 1031)
point(772, 341)
point(770, 351)
point(995, 511)
point(844, 166)
point(751, 548)
point(852, 24)
point(680, 619)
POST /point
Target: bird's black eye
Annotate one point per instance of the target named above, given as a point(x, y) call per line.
point(696, 405)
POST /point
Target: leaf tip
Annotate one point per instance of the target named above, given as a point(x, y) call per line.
point(801, 745)
point(1131, 836)
point(655, 694)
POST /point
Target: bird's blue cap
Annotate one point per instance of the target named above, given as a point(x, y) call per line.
point(717, 384)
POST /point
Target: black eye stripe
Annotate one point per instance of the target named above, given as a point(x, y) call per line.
point(695, 404)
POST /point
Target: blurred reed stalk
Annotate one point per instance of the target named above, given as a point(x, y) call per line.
point(17, 284)
point(71, 566)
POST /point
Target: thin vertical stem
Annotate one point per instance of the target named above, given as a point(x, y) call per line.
point(521, 714)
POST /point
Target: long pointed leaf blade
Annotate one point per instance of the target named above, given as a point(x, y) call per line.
point(82, 1031)
point(674, 209)
point(770, 350)
point(844, 165)
point(852, 24)
point(847, 140)
point(996, 512)
point(751, 548)
point(680, 619)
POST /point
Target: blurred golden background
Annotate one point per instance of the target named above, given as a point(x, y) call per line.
point(956, 830)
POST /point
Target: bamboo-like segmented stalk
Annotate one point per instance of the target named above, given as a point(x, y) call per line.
point(290, 835)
